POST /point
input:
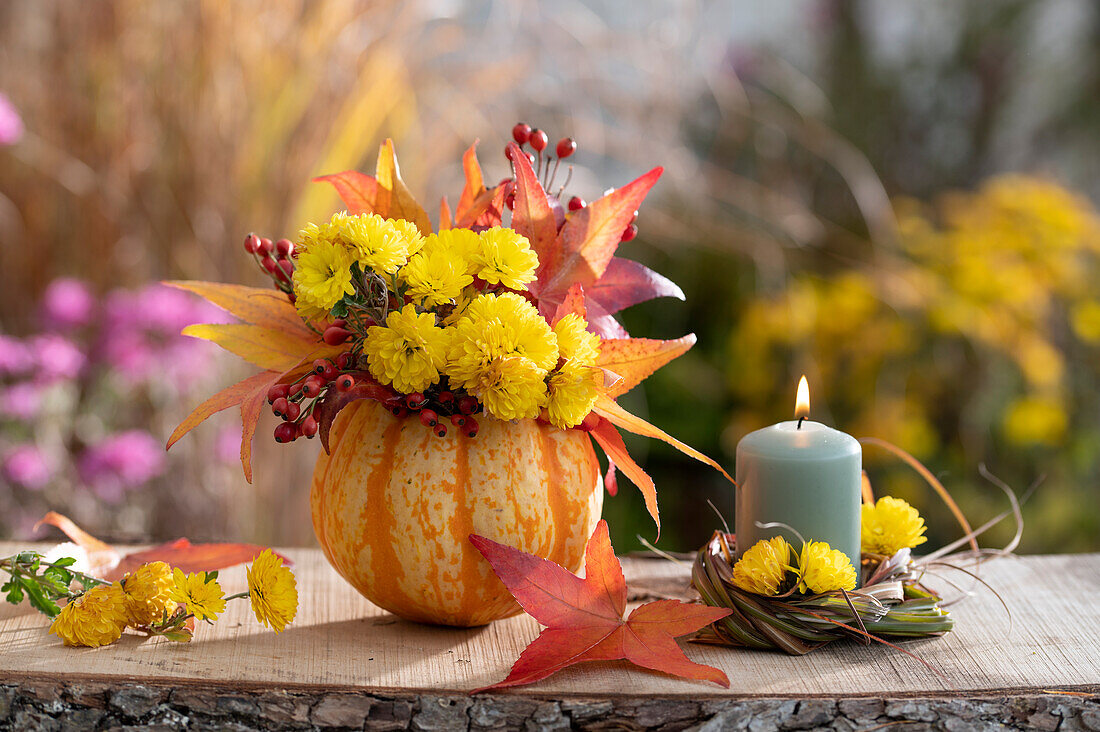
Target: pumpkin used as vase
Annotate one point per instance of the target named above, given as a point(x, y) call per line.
point(393, 506)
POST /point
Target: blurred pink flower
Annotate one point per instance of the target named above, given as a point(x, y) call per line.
point(227, 445)
point(56, 357)
point(21, 401)
point(121, 462)
point(141, 334)
point(28, 466)
point(15, 357)
point(11, 124)
point(66, 304)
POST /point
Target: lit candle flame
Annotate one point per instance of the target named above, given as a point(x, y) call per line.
point(802, 401)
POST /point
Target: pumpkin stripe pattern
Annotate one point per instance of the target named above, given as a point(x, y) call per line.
point(393, 506)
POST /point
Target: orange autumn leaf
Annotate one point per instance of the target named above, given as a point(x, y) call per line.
point(608, 409)
point(394, 199)
point(634, 359)
point(613, 446)
point(358, 191)
point(228, 397)
point(572, 304)
point(446, 221)
point(266, 308)
point(268, 348)
point(531, 214)
point(584, 617)
point(252, 407)
point(108, 563)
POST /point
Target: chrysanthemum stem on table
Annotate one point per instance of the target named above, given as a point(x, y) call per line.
point(43, 589)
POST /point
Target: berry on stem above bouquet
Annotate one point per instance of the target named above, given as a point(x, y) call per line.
point(478, 320)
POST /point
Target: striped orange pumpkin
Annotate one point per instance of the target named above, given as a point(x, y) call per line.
point(393, 506)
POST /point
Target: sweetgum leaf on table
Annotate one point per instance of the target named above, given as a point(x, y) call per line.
point(190, 557)
point(584, 617)
point(358, 191)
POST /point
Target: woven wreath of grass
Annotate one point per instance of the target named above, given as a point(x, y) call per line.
point(777, 604)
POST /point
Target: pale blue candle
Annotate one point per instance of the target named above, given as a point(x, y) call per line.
point(803, 474)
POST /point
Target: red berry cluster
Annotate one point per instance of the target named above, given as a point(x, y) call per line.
point(524, 134)
point(295, 403)
point(275, 259)
point(439, 406)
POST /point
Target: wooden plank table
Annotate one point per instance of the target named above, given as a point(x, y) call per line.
point(346, 664)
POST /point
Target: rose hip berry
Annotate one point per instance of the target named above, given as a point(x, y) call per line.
point(334, 335)
point(277, 391)
point(252, 244)
point(308, 427)
point(467, 405)
point(343, 360)
point(630, 232)
point(429, 418)
point(279, 406)
point(470, 430)
point(576, 203)
point(521, 133)
point(293, 411)
point(415, 400)
point(566, 147)
point(458, 420)
point(312, 386)
point(285, 247)
point(440, 430)
point(285, 432)
point(539, 140)
point(344, 383)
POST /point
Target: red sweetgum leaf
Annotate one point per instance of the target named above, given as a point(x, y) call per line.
point(634, 359)
point(571, 304)
point(626, 282)
point(584, 617)
point(591, 236)
point(395, 201)
point(532, 215)
point(613, 446)
point(334, 400)
point(358, 191)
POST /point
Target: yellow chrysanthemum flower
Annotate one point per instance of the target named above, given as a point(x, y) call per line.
point(273, 591)
point(199, 593)
point(571, 394)
point(763, 568)
point(435, 276)
point(322, 276)
point(408, 352)
point(526, 333)
point(505, 257)
point(147, 592)
point(511, 387)
point(408, 231)
point(824, 569)
point(94, 619)
point(462, 244)
point(889, 525)
point(377, 243)
point(575, 343)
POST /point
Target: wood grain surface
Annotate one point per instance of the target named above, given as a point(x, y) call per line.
point(340, 640)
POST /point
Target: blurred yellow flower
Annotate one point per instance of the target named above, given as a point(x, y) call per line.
point(890, 524)
point(273, 591)
point(571, 394)
point(1085, 319)
point(94, 619)
point(763, 567)
point(199, 592)
point(505, 257)
point(824, 569)
point(147, 593)
point(1035, 421)
point(408, 352)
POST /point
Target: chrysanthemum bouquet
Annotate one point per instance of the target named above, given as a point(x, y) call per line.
point(481, 319)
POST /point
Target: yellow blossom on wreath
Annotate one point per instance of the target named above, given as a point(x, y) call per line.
point(272, 590)
point(763, 567)
point(200, 593)
point(147, 591)
point(378, 245)
point(824, 569)
point(408, 352)
point(322, 276)
point(505, 257)
point(571, 393)
point(435, 277)
point(889, 525)
point(575, 343)
point(525, 332)
point(94, 619)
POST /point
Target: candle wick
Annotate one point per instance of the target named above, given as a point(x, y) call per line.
point(800, 423)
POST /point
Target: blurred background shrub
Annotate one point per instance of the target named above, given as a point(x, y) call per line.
point(894, 198)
